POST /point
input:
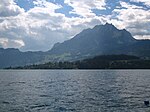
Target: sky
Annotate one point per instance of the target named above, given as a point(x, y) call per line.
point(36, 25)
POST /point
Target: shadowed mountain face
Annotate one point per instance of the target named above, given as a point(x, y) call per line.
point(14, 57)
point(101, 40)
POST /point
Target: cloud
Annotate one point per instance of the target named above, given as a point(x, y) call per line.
point(44, 4)
point(83, 8)
point(35, 29)
point(146, 2)
point(41, 27)
point(134, 18)
point(7, 43)
point(9, 8)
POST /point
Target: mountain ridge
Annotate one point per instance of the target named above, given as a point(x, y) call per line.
point(99, 40)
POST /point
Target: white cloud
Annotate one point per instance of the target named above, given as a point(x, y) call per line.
point(41, 27)
point(9, 8)
point(44, 4)
point(37, 28)
point(83, 7)
point(129, 6)
point(134, 18)
point(7, 43)
point(3, 42)
point(146, 2)
point(142, 36)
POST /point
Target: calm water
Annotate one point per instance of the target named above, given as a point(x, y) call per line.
point(74, 90)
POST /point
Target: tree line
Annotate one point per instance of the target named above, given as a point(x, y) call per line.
point(98, 62)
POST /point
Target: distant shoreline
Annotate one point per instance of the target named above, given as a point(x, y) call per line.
point(73, 69)
point(105, 62)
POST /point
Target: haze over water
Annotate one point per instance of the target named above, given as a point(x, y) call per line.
point(74, 90)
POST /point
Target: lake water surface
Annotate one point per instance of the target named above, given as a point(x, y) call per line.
point(74, 90)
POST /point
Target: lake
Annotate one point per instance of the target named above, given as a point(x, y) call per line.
point(74, 90)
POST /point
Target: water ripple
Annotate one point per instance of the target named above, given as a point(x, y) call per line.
point(74, 91)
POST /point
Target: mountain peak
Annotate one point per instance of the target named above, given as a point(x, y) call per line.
point(106, 26)
point(110, 25)
point(98, 40)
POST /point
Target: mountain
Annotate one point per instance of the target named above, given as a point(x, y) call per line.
point(140, 48)
point(102, 39)
point(14, 57)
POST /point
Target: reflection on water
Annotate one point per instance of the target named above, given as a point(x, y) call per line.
point(74, 90)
